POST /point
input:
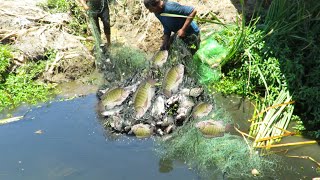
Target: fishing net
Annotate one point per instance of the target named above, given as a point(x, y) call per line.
point(228, 156)
point(117, 61)
point(207, 60)
point(99, 53)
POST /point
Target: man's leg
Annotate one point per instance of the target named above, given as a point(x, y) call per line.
point(105, 17)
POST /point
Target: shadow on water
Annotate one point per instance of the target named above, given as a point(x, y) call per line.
point(73, 145)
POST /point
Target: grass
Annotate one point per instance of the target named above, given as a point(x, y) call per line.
point(276, 52)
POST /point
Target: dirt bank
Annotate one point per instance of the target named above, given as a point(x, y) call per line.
point(31, 32)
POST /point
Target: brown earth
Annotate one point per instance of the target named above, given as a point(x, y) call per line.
point(31, 31)
point(136, 26)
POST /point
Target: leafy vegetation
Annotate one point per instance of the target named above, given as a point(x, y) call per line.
point(56, 6)
point(20, 85)
point(278, 51)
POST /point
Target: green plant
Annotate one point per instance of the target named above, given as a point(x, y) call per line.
point(5, 60)
point(55, 6)
point(22, 85)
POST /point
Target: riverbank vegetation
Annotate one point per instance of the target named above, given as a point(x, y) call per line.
point(26, 73)
point(276, 52)
point(273, 59)
point(19, 84)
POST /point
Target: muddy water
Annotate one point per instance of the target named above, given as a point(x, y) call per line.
point(297, 167)
point(73, 145)
point(65, 140)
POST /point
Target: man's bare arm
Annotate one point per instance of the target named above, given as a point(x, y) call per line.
point(182, 31)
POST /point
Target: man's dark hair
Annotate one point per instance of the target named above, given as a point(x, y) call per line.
point(151, 3)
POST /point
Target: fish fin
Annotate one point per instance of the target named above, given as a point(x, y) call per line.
point(167, 92)
point(139, 112)
point(151, 81)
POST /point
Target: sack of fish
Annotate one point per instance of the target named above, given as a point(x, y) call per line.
point(159, 103)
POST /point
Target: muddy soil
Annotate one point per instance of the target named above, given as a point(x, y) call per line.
point(134, 25)
point(31, 31)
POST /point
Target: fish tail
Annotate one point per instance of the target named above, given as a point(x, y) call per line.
point(139, 112)
point(167, 92)
point(229, 127)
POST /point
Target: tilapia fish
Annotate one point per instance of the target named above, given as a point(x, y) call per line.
point(114, 97)
point(158, 108)
point(141, 130)
point(211, 128)
point(186, 104)
point(201, 110)
point(194, 92)
point(112, 112)
point(142, 97)
point(160, 58)
point(172, 79)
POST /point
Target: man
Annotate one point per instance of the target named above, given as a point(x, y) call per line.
point(99, 9)
point(184, 28)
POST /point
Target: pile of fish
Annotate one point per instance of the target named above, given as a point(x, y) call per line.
point(158, 103)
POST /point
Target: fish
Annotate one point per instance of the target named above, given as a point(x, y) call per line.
point(184, 110)
point(211, 128)
point(117, 123)
point(172, 79)
point(142, 97)
point(194, 92)
point(142, 130)
point(159, 58)
point(112, 112)
point(114, 97)
point(201, 110)
point(158, 108)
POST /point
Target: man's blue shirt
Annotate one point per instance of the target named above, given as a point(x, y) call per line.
point(173, 24)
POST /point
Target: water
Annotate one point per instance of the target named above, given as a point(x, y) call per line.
point(291, 168)
point(74, 146)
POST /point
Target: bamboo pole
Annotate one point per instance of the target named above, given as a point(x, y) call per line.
point(287, 144)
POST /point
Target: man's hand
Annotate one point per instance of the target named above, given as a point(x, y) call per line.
point(84, 4)
point(86, 7)
point(181, 33)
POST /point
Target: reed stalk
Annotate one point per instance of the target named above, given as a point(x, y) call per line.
point(287, 144)
point(275, 121)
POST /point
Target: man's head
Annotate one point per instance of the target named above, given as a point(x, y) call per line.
point(154, 6)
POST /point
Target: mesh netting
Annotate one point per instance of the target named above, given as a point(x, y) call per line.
point(98, 51)
point(204, 64)
point(229, 155)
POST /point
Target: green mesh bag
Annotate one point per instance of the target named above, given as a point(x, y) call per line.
point(207, 60)
point(210, 52)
